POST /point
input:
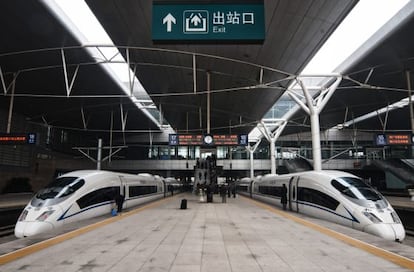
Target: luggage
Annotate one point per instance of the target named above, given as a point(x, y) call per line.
point(183, 204)
point(209, 197)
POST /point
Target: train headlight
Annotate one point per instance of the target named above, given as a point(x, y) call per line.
point(395, 217)
point(23, 215)
point(44, 215)
point(372, 217)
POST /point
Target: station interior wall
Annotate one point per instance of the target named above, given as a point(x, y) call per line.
point(54, 152)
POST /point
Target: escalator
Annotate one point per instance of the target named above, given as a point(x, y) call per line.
point(399, 174)
point(297, 165)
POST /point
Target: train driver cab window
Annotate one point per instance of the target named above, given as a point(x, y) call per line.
point(60, 188)
point(357, 190)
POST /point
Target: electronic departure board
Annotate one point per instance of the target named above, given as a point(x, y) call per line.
point(394, 139)
point(208, 139)
point(14, 138)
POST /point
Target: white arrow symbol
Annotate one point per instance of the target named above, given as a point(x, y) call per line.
point(169, 19)
point(196, 20)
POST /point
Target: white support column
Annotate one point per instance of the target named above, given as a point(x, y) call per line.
point(272, 155)
point(316, 141)
point(85, 124)
point(194, 74)
point(11, 104)
point(272, 137)
point(200, 118)
point(251, 150)
point(313, 107)
point(111, 135)
point(410, 105)
point(68, 85)
point(208, 102)
point(410, 102)
point(99, 157)
point(161, 115)
point(131, 74)
point(124, 117)
point(3, 83)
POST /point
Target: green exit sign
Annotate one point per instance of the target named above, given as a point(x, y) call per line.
point(208, 22)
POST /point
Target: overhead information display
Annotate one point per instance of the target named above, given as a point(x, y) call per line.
point(208, 22)
point(394, 139)
point(221, 140)
point(15, 138)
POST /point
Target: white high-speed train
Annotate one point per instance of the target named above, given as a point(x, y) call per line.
point(335, 196)
point(85, 194)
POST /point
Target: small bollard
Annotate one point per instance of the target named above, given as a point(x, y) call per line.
point(183, 204)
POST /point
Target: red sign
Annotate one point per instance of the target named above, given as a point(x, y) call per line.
point(399, 139)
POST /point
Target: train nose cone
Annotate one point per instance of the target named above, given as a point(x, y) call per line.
point(392, 232)
point(25, 229)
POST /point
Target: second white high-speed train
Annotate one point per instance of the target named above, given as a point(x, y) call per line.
point(335, 196)
point(85, 194)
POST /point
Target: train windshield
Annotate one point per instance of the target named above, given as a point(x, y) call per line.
point(61, 187)
point(355, 188)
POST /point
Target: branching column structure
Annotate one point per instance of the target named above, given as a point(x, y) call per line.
point(313, 107)
point(251, 150)
point(272, 137)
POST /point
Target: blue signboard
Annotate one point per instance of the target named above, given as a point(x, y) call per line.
point(208, 139)
point(394, 139)
point(17, 138)
point(208, 22)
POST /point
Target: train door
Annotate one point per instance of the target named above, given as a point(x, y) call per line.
point(293, 193)
point(122, 190)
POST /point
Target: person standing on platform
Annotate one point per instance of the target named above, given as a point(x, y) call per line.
point(209, 193)
point(171, 189)
point(233, 189)
point(283, 198)
point(223, 192)
point(119, 199)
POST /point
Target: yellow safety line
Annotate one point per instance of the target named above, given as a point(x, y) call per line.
point(11, 256)
point(388, 255)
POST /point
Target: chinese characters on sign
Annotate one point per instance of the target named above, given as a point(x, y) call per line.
point(404, 139)
point(238, 22)
point(219, 140)
point(393, 139)
point(13, 139)
point(233, 18)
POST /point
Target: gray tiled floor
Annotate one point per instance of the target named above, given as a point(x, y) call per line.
point(236, 236)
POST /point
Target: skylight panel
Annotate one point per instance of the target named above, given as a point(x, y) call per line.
point(80, 20)
point(367, 17)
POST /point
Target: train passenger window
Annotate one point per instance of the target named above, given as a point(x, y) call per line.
point(142, 190)
point(270, 190)
point(317, 197)
point(99, 196)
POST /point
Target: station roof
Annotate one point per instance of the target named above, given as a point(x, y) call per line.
point(375, 80)
point(295, 30)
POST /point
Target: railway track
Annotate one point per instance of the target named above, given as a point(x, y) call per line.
point(6, 230)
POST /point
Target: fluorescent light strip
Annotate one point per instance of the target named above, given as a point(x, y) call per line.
point(79, 19)
point(397, 105)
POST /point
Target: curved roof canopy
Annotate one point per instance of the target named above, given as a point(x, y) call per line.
point(58, 81)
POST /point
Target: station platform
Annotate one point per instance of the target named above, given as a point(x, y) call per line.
point(240, 235)
point(401, 203)
point(14, 201)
